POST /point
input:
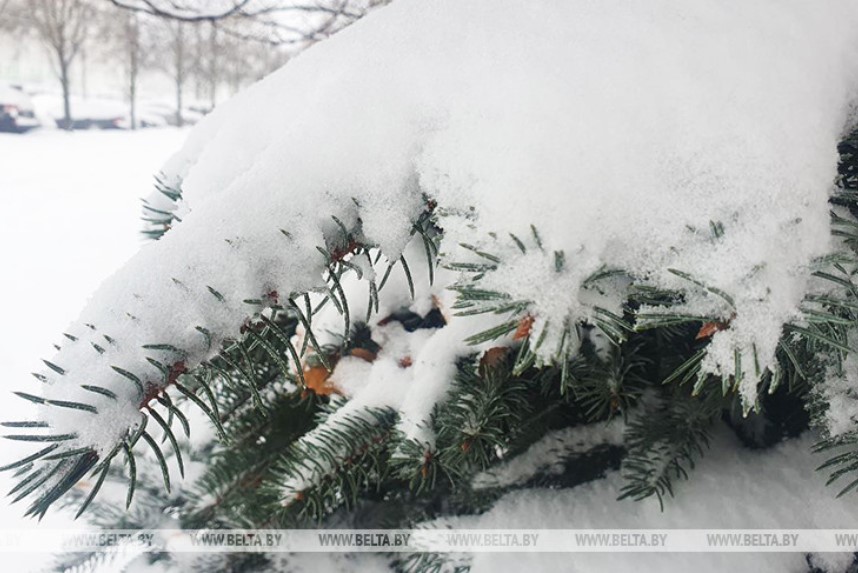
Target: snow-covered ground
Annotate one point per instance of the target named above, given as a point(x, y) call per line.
point(71, 217)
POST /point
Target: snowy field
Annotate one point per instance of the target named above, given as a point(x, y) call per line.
point(72, 217)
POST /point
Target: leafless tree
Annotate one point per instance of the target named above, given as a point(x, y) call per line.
point(62, 26)
point(14, 17)
point(130, 42)
point(177, 65)
point(207, 61)
point(212, 67)
point(275, 22)
point(241, 62)
point(215, 43)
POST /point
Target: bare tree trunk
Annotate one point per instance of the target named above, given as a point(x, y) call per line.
point(199, 59)
point(133, 67)
point(213, 63)
point(83, 83)
point(62, 26)
point(65, 81)
point(179, 53)
point(132, 94)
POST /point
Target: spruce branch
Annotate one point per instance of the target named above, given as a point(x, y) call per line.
point(665, 442)
point(333, 464)
point(246, 361)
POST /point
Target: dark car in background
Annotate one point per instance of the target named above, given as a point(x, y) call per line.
point(108, 113)
point(166, 113)
point(77, 123)
point(17, 114)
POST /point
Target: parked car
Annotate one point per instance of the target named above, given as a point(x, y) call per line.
point(167, 112)
point(94, 123)
point(91, 113)
point(17, 114)
point(108, 114)
point(147, 119)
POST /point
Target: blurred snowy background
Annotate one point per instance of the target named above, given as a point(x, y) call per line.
point(72, 218)
point(114, 67)
point(94, 96)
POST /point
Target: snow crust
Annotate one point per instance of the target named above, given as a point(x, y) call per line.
point(733, 487)
point(623, 131)
point(839, 395)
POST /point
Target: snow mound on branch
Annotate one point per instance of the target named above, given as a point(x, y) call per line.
point(622, 130)
point(839, 394)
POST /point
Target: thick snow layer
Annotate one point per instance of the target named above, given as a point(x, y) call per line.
point(622, 130)
point(838, 396)
point(731, 488)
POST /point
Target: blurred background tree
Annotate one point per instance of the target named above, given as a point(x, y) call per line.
point(192, 53)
